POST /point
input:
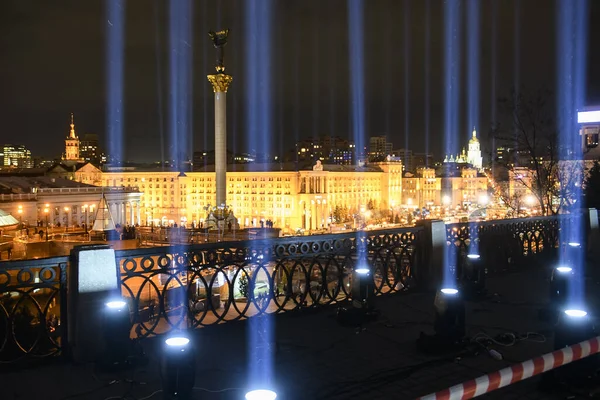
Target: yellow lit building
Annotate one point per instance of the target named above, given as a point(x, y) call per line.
point(295, 199)
point(291, 199)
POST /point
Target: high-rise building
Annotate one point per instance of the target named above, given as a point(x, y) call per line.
point(328, 149)
point(89, 149)
point(72, 144)
point(17, 156)
point(379, 147)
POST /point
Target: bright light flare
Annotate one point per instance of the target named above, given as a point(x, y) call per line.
point(474, 256)
point(564, 270)
point(362, 270)
point(449, 291)
point(177, 341)
point(116, 304)
point(261, 394)
point(574, 313)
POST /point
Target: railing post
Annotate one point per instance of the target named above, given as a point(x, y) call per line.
point(93, 280)
point(430, 270)
point(593, 235)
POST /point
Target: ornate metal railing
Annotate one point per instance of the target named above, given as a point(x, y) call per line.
point(32, 308)
point(197, 285)
point(503, 243)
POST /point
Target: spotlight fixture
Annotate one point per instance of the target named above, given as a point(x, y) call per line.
point(116, 332)
point(449, 321)
point(178, 368)
point(574, 244)
point(473, 275)
point(261, 394)
point(361, 311)
point(559, 283)
point(362, 287)
point(574, 326)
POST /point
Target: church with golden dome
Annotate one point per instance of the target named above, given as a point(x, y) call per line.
point(472, 156)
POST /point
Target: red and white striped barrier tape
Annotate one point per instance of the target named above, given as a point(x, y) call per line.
point(517, 372)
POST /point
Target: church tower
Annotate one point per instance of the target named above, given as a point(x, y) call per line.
point(72, 144)
point(474, 154)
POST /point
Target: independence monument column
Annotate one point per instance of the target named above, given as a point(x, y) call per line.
point(220, 83)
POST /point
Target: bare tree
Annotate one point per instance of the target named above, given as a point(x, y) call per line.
point(531, 131)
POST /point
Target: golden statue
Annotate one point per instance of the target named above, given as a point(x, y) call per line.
point(219, 41)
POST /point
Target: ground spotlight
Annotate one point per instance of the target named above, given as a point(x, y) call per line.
point(178, 367)
point(116, 332)
point(473, 275)
point(361, 311)
point(449, 321)
point(574, 326)
point(559, 283)
point(362, 287)
point(261, 394)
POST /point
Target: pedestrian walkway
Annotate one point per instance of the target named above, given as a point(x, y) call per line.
point(316, 358)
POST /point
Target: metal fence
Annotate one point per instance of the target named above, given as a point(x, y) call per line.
point(189, 286)
point(503, 243)
point(32, 308)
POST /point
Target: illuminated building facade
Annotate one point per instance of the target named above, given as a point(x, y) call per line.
point(17, 156)
point(295, 199)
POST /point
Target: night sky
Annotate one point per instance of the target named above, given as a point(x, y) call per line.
point(53, 63)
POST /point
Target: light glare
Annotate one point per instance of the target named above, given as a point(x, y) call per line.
point(117, 304)
point(474, 256)
point(574, 244)
point(261, 394)
point(177, 341)
point(576, 313)
point(450, 291)
point(362, 270)
point(564, 270)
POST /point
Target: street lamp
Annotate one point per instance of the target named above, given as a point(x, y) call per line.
point(67, 219)
point(20, 211)
point(91, 207)
point(46, 211)
point(85, 207)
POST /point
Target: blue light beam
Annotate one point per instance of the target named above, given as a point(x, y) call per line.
point(259, 105)
point(115, 59)
point(571, 60)
point(180, 81)
point(451, 96)
point(473, 43)
point(357, 70)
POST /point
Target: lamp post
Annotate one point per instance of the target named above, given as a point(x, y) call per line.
point(85, 207)
point(91, 207)
point(46, 211)
point(20, 212)
point(67, 219)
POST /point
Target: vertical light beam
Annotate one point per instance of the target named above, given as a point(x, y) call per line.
point(258, 26)
point(259, 107)
point(473, 83)
point(451, 95)
point(406, 80)
point(357, 85)
point(427, 105)
point(572, 20)
point(180, 81)
point(115, 28)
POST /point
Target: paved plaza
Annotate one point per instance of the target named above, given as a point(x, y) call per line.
point(317, 358)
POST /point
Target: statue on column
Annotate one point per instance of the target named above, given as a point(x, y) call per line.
point(219, 41)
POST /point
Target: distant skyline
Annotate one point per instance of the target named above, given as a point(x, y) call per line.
point(54, 64)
